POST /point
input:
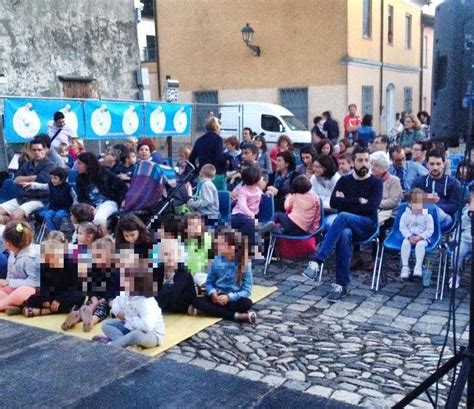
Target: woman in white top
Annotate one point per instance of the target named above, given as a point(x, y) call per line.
point(323, 181)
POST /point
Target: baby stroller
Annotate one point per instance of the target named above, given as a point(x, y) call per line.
point(156, 189)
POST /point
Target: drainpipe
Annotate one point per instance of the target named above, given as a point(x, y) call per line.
point(422, 52)
point(157, 45)
point(382, 37)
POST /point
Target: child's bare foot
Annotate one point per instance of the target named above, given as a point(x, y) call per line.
point(86, 316)
point(72, 319)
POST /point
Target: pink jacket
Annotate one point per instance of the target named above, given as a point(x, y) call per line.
point(248, 201)
point(304, 210)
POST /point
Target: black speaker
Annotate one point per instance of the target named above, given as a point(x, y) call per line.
point(451, 69)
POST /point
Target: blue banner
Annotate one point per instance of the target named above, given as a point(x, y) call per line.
point(26, 118)
point(93, 119)
point(113, 120)
point(166, 119)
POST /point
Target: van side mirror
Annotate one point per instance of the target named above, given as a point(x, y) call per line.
point(281, 128)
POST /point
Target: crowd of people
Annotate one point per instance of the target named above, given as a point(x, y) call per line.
point(190, 263)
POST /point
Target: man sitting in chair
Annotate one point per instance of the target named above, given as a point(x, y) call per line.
point(357, 198)
point(29, 200)
point(446, 189)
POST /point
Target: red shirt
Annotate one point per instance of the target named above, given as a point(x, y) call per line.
point(351, 121)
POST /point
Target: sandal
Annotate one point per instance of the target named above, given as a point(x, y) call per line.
point(72, 319)
point(86, 316)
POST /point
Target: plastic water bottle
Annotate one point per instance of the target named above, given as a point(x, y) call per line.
point(426, 277)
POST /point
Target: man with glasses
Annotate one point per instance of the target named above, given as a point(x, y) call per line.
point(28, 200)
point(419, 152)
point(406, 171)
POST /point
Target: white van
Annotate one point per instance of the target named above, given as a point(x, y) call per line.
point(273, 120)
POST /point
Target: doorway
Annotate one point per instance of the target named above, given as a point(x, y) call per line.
point(389, 108)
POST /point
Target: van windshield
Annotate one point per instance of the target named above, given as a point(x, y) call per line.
point(294, 123)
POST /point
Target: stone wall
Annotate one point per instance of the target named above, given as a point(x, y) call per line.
point(42, 40)
point(45, 39)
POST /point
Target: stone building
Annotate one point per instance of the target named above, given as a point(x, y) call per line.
point(315, 55)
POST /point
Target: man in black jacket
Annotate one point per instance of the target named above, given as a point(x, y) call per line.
point(28, 200)
point(331, 127)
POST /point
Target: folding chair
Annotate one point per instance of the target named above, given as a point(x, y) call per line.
point(394, 241)
point(267, 208)
point(274, 237)
point(225, 207)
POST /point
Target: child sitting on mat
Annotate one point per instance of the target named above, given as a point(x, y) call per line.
point(302, 211)
point(22, 278)
point(59, 291)
point(198, 245)
point(176, 290)
point(80, 213)
point(139, 320)
point(229, 282)
point(102, 282)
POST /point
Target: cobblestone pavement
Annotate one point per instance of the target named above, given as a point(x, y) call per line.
point(370, 349)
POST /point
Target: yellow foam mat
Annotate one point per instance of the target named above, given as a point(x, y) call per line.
point(178, 327)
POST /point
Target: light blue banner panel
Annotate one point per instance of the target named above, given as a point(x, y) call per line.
point(25, 118)
point(113, 120)
point(166, 119)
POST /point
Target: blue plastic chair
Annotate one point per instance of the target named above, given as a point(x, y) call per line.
point(394, 240)
point(225, 207)
point(274, 237)
point(8, 191)
point(267, 209)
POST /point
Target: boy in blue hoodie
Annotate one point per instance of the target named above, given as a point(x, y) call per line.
point(446, 189)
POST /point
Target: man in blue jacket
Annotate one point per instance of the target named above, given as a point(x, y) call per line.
point(447, 189)
point(357, 198)
point(29, 199)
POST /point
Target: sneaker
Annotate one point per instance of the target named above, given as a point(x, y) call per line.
point(312, 270)
point(417, 272)
point(252, 317)
point(451, 281)
point(405, 272)
point(86, 317)
point(338, 293)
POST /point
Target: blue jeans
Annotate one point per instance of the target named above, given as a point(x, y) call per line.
point(345, 229)
point(54, 218)
point(445, 220)
point(122, 337)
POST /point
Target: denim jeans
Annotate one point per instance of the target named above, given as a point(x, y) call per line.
point(122, 337)
point(345, 229)
point(54, 218)
point(445, 220)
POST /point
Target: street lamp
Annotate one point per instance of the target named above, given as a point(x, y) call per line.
point(247, 36)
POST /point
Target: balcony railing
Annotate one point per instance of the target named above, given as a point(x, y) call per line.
point(148, 54)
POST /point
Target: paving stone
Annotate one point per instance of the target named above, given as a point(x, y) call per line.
point(227, 369)
point(299, 307)
point(273, 380)
point(319, 391)
point(203, 363)
point(249, 374)
point(345, 396)
point(388, 311)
